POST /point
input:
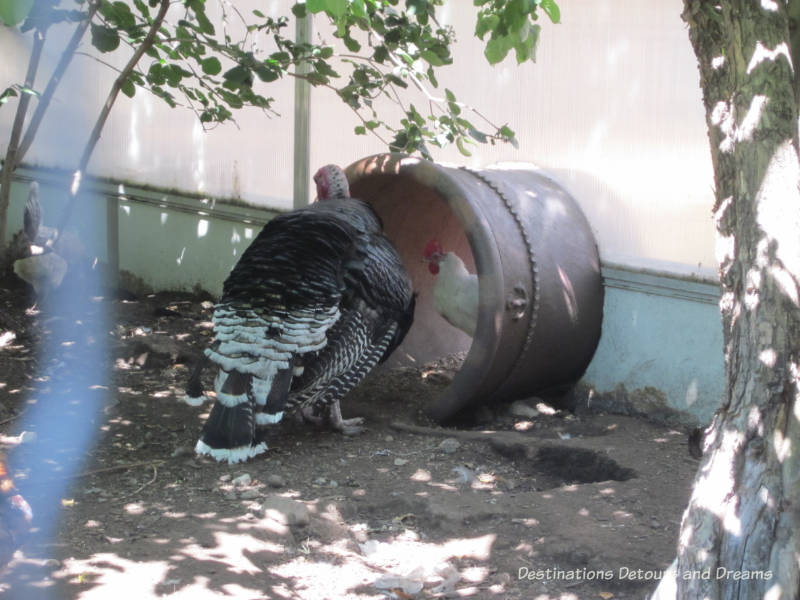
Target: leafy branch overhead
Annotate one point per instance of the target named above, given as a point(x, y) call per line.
point(378, 50)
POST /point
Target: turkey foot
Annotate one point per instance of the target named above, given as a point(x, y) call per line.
point(334, 419)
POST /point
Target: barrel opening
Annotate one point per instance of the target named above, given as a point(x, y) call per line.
point(414, 213)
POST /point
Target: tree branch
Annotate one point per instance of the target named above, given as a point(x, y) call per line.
point(16, 132)
point(94, 137)
point(55, 79)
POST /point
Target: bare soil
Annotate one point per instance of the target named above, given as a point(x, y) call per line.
point(508, 504)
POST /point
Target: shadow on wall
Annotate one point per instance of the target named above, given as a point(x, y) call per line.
point(635, 226)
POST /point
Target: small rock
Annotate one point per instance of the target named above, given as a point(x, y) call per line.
point(225, 477)
point(399, 462)
point(389, 438)
point(320, 481)
point(410, 584)
point(206, 305)
point(333, 483)
point(465, 475)
point(242, 480)
point(229, 496)
point(449, 445)
point(654, 523)
point(522, 409)
point(182, 451)
point(276, 481)
point(286, 511)
point(249, 494)
point(51, 563)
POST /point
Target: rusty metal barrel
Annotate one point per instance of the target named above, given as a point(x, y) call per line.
point(540, 290)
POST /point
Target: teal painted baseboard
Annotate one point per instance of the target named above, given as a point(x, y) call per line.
point(662, 334)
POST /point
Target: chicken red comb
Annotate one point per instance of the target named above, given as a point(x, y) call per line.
point(433, 247)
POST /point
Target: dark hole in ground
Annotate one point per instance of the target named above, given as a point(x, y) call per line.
point(579, 465)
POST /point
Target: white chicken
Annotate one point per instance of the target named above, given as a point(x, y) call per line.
point(455, 294)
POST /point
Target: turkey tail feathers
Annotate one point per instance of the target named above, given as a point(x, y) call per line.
point(276, 397)
point(230, 431)
point(195, 395)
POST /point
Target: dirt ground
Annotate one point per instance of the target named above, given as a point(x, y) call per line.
point(521, 502)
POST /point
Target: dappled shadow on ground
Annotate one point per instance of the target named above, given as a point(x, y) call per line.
point(424, 512)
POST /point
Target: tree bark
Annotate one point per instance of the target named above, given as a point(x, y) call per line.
point(740, 535)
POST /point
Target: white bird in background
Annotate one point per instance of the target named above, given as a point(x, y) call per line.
point(44, 269)
point(455, 293)
point(32, 218)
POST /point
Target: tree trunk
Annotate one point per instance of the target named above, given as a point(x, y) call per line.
point(740, 535)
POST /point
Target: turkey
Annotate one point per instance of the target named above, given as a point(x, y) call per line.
point(455, 293)
point(314, 303)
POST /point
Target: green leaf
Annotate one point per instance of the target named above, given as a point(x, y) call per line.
point(336, 8)
point(524, 48)
point(497, 48)
point(128, 88)
point(506, 131)
point(352, 44)
point(202, 20)
point(478, 136)
point(237, 76)
point(551, 10)
point(259, 14)
point(485, 24)
point(156, 74)
point(8, 93)
point(432, 77)
point(508, 135)
point(211, 65)
point(104, 38)
point(299, 10)
point(527, 48)
point(432, 58)
point(358, 8)
point(360, 130)
point(14, 12)
point(174, 74)
point(381, 54)
point(394, 79)
point(315, 6)
point(462, 147)
point(142, 8)
point(123, 17)
point(265, 73)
